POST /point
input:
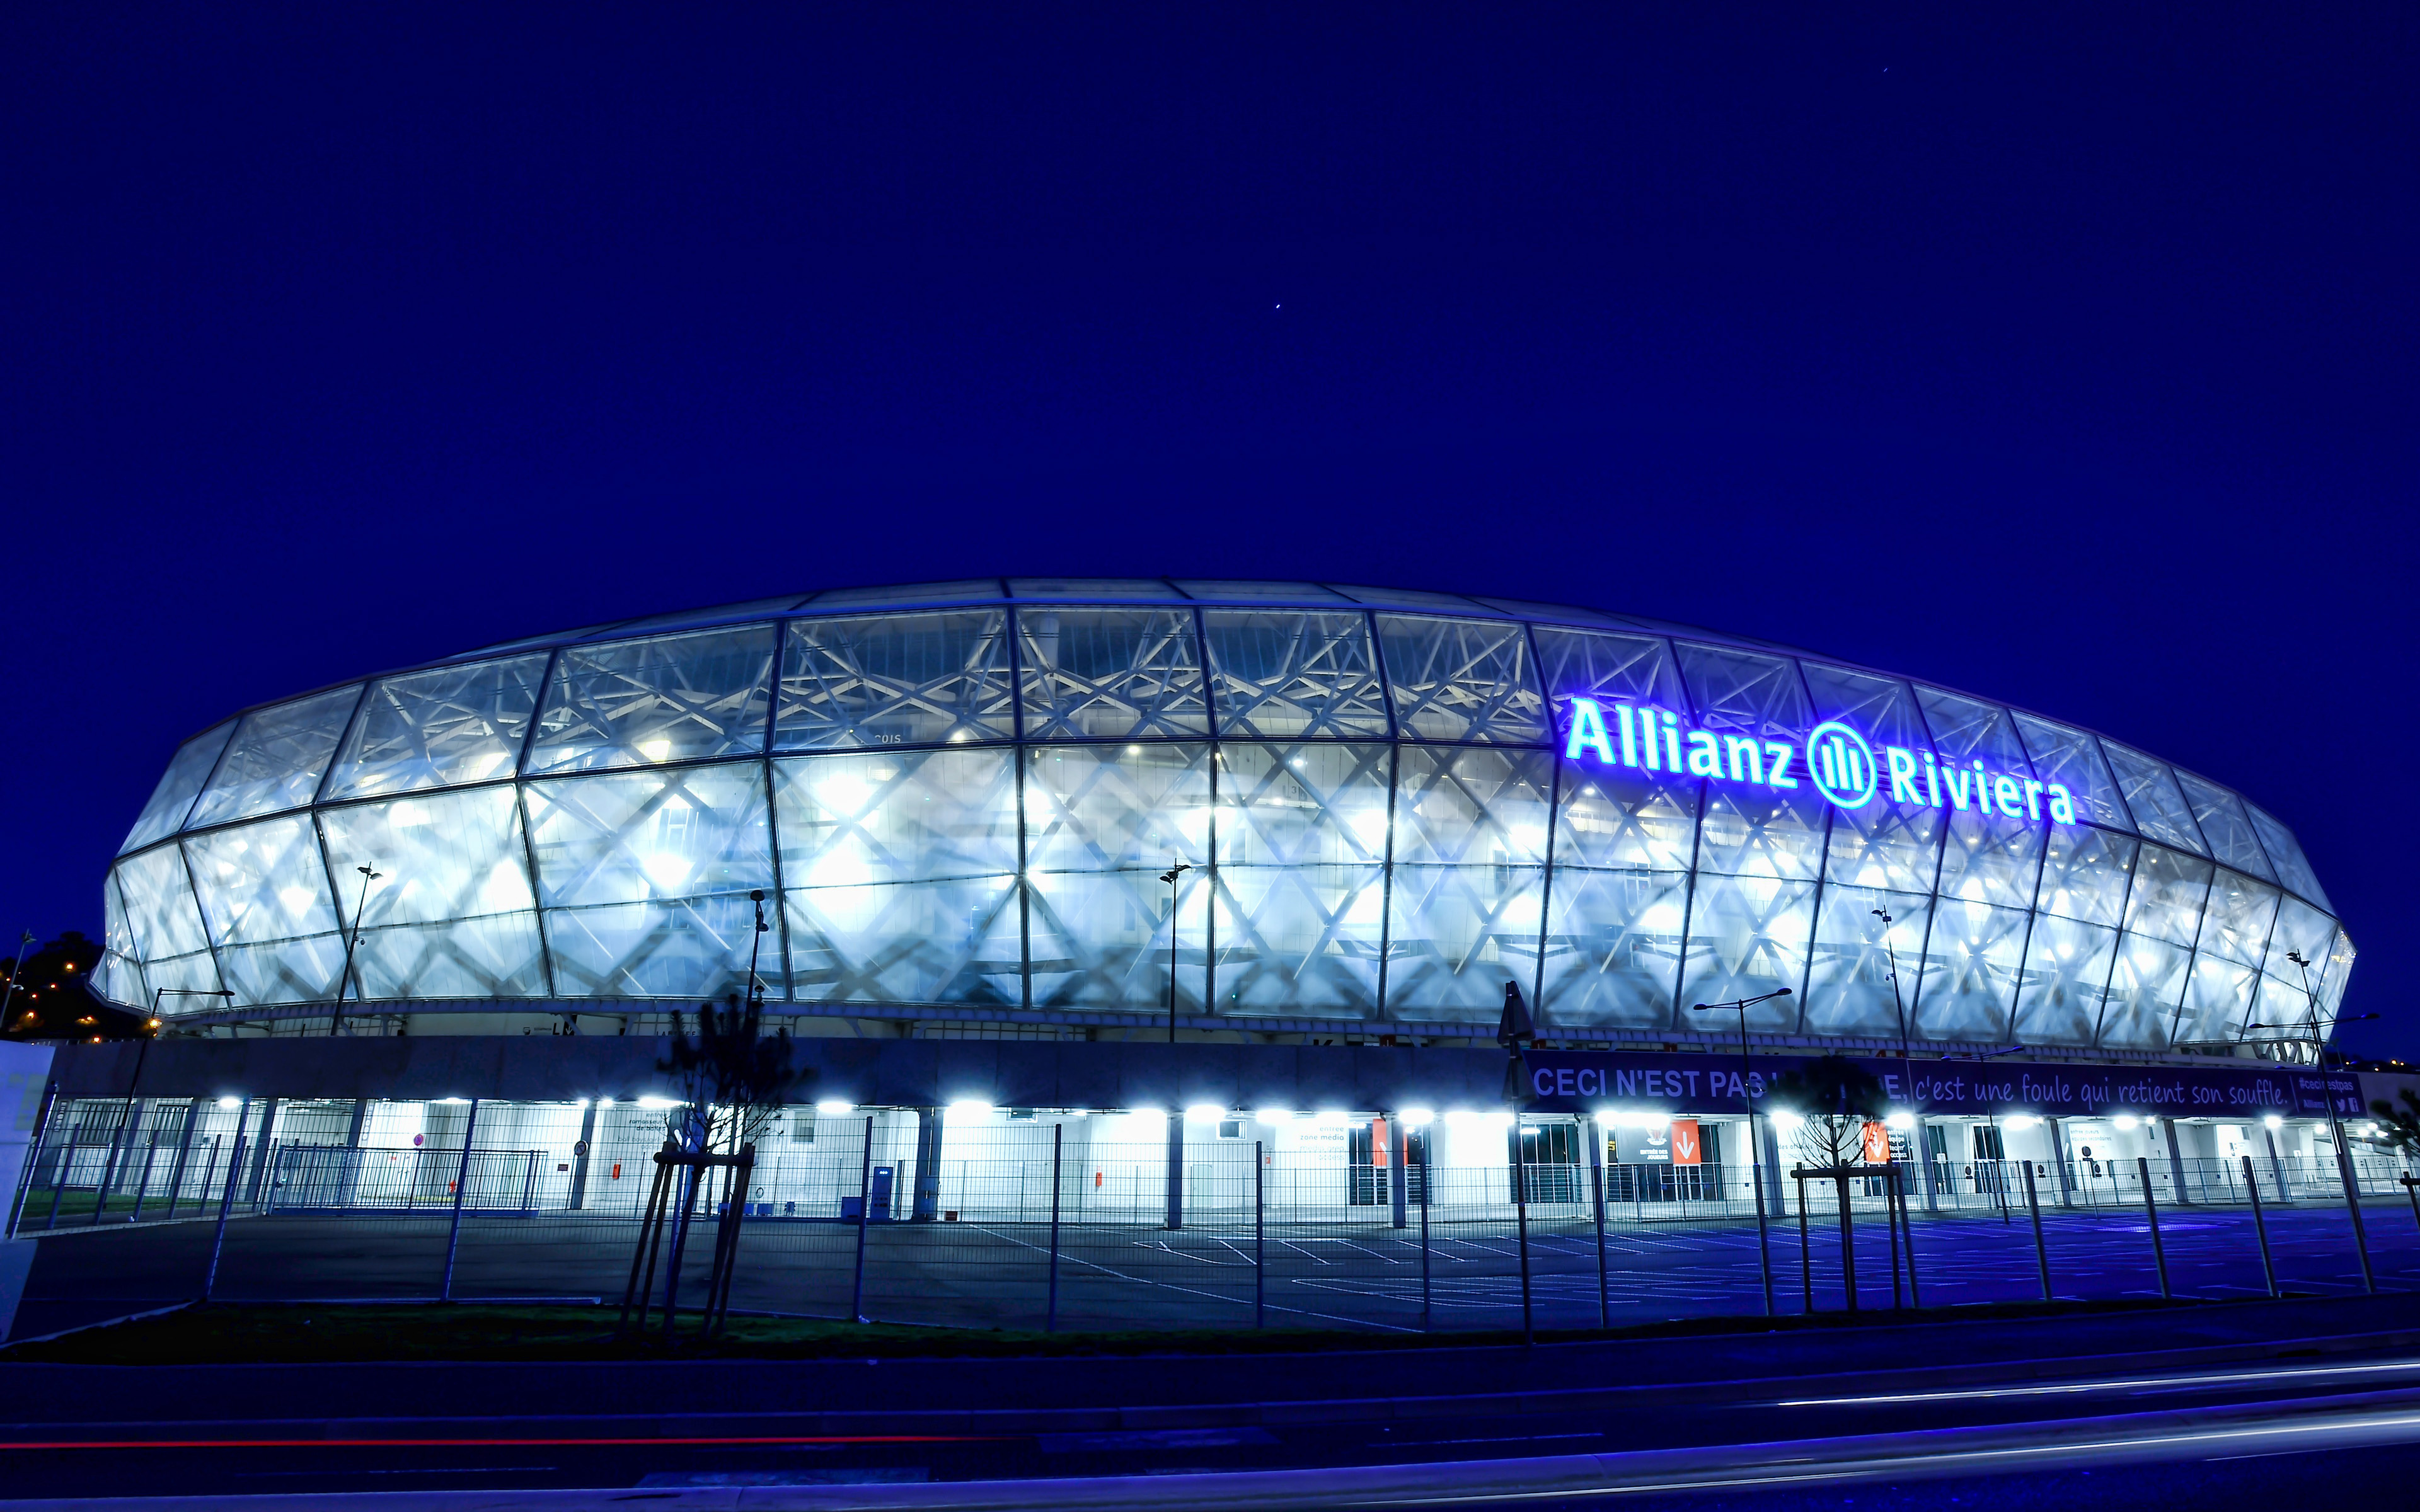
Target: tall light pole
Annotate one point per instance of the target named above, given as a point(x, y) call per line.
point(352, 941)
point(2335, 1126)
point(1170, 877)
point(1755, 1146)
point(16, 969)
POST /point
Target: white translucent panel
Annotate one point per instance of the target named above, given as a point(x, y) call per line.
point(1300, 938)
point(1461, 680)
point(2218, 1001)
point(1883, 708)
point(439, 728)
point(262, 881)
point(2169, 889)
point(2304, 931)
point(894, 680)
point(1456, 935)
point(161, 914)
point(1101, 939)
point(695, 949)
point(1971, 960)
point(1307, 805)
point(1965, 731)
point(439, 855)
point(2339, 974)
point(948, 941)
point(639, 836)
point(2281, 1006)
point(1761, 832)
point(669, 698)
point(1245, 591)
point(1110, 674)
point(2235, 924)
point(1618, 819)
point(196, 973)
point(119, 975)
point(1990, 860)
point(1613, 948)
point(2086, 873)
point(2220, 816)
point(2151, 795)
point(1411, 598)
point(2067, 975)
point(2286, 855)
point(1746, 935)
point(852, 821)
point(2072, 759)
point(179, 785)
point(1111, 808)
point(2147, 981)
point(1894, 846)
point(494, 956)
point(1608, 668)
point(1472, 805)
point(283, 971)
point(1745, 690)
point(964, 591)
point(276, 758)
point(1111, 589)
point(1848, 988)
point(1294, 675)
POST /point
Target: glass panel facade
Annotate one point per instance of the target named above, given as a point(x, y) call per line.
point(1461, 680)
point(276, 758)
point(179, 785)
point(2072, 759)
point(900, 872)
point(895, 680)
point(2220, 816)
point(2067, 972)
point(1849, 987)
point(1109, 674)
point(1287, 675)
point(440, 727)
point(2151, 795)
point(672, 697)
point(969, 795)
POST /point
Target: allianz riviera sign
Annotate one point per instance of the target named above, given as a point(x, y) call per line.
point(1835, 758)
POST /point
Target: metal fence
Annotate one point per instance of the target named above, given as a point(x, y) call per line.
point(1057, 1221)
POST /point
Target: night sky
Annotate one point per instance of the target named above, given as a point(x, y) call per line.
point(2066, 357)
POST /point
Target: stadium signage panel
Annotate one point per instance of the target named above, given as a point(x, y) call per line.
point(1585, 1081)
point(1835, 758)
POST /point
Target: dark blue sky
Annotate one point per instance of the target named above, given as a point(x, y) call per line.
point(2063, 355)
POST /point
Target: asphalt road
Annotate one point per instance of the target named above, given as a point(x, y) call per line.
point(1363, 1275)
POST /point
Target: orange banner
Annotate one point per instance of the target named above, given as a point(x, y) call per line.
point(1877, 1145)
point(1686, 1147)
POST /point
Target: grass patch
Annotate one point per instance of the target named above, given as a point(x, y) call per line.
point(319, 1333)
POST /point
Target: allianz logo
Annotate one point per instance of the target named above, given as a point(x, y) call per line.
point(1835, 758)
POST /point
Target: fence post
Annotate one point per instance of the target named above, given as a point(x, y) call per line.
point(1428, 1177)
point(2260, 1226)
point(461, 1190)
point(1259, 1247)
point(2411, 1190)
point(529, 1181)
point(59, 1178)
point(25, 1191)
point(2176, 1163)
point(1907, 1228)
point(226, 1199)
point(1521, 1219)
point(1890, 1222)
point(117, 1138)
point(2352, 1209)
point(143, 1182)
point(1806, 1256)
point(2151, 1210)
point(184, 1153)
point(1057, 1148)
point(2033, 1206)
point(1596, 1200)
point(2276, 1165)
point(1398, 1171)
point(864, 1217)
point(1848, 1237)
point(1176, 1168)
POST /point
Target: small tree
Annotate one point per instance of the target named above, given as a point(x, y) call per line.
point(1837, 1098)
point(2399, 1129)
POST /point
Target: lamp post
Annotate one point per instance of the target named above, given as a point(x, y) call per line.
point(1170, 877)
point(16, 968)
point(352, 940)
point(1755, 1149)
point(1906, 1055)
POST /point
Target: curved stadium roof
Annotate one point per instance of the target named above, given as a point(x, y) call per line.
point(960, 797)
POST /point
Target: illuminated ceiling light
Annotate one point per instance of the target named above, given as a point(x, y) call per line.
point(833, 1107)
point(1416, 1118)
point(1205, 1112)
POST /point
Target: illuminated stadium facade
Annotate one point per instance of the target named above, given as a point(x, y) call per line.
point(959, 801)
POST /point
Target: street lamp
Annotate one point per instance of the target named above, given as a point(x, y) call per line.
point(16, 969)
point(1170, 877)
point(1755, 1146)
point(2289, 1033)
point(352, 941)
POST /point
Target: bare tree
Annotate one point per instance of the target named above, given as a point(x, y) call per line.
point(1837, 1098)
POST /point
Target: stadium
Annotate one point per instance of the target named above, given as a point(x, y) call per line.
point(1170, 872)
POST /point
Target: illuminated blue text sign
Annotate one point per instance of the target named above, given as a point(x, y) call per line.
point(1834, 760)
